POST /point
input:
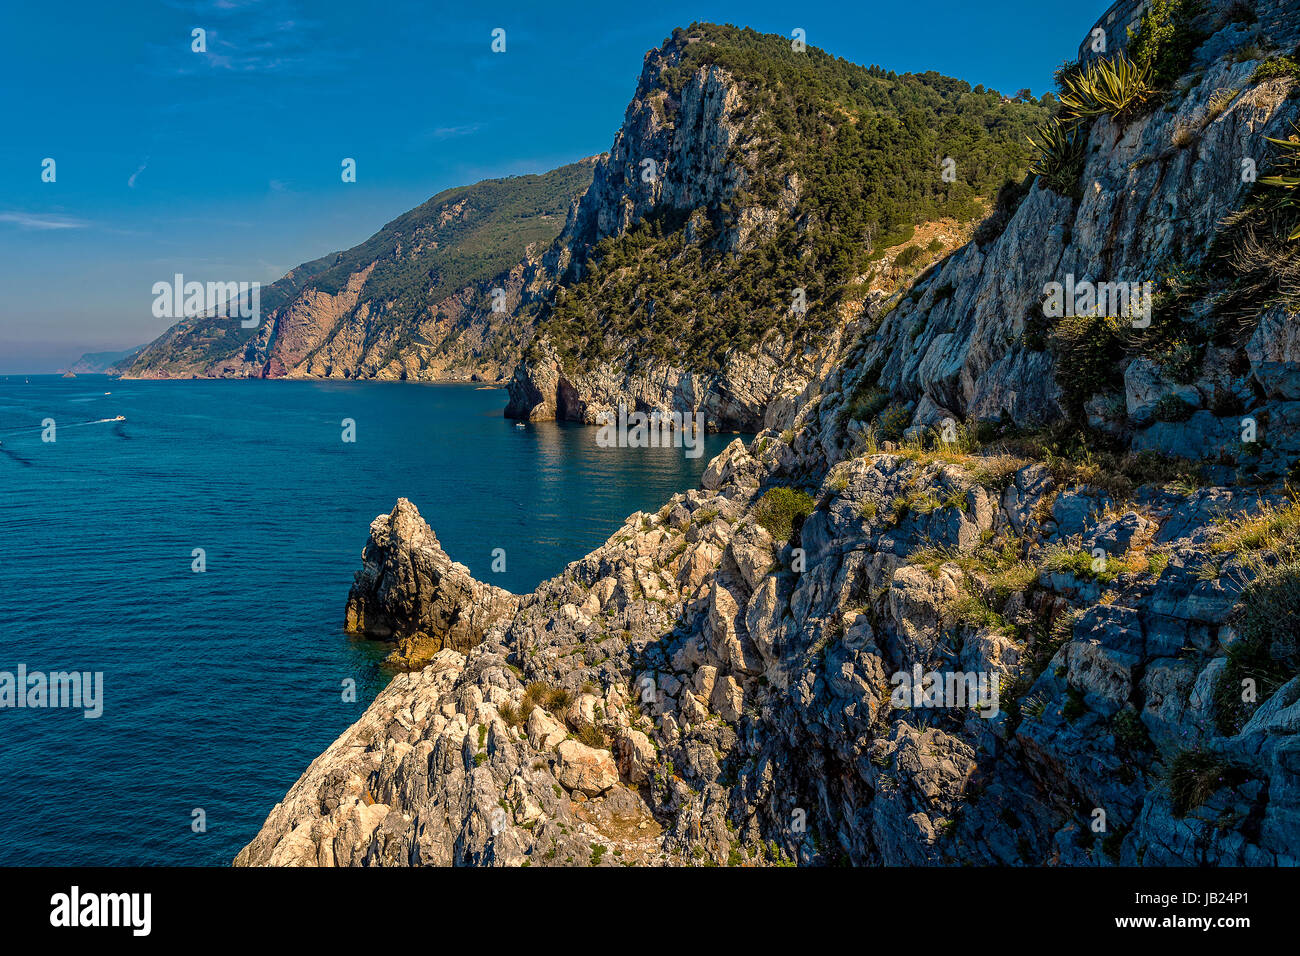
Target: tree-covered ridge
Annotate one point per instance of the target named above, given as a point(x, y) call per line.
point(867, 148)
point(868, 141)
point(461, 237)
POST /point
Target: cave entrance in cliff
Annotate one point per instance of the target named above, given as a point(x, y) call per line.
point(568, 407)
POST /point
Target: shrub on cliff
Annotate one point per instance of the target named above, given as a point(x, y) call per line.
point(1266, 651)
point(1130, 733)
point(867, 401)
point(781, 511)
point(1196, 775)
point(1166, 39)
point(1087, 349)
point(908, 256)
point(1275, 67)
point(1173, 408)
point(893, 422)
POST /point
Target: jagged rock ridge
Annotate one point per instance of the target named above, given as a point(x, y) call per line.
point(728, 667)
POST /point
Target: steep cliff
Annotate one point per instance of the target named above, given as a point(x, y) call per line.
point(417, 301)
point(755, 191)
point(779, 185)
point(1002, 586)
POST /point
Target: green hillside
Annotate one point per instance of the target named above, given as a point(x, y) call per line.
point(462, 236)
point(867, 146)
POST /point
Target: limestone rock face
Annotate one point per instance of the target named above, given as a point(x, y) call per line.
point(745, 682)
point(410, 589)
point(956, 349)
point(743, 397)
point(459, 764)
point(699, 139)
point(445, 767)
point(585, 768)
point(544, 731)
point(636, 756)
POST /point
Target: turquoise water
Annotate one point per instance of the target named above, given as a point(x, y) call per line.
point(220, 687)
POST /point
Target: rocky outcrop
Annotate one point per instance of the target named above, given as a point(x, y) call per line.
point(432, 774)
point(754, 390)
point(696, 142)
point(962, 343)
point(693, 155)
point(749, 711)
point(961, 651)
point(411, 592)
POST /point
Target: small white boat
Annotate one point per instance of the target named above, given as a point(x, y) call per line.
point(520, 425)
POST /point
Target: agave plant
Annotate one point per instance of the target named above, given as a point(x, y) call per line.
point(1114, 87)
point(1288, 177)
point(1060, 157)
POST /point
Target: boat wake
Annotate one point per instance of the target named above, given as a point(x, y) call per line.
point(97, 421)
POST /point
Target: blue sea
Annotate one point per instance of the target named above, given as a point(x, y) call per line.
point(220, 687)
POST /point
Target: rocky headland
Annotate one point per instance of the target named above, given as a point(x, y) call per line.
point(1092, 514)
point(442, 293)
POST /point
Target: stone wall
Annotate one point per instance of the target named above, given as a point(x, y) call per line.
point(1277, 22)
point(1116, 21)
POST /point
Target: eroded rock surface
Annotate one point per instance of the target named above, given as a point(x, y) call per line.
point(704, 688)
point(411, 592)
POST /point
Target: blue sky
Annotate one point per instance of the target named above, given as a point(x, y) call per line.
point(225, 165)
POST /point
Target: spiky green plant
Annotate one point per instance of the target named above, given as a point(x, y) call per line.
point(1113, 87)
point(1061, 156)
point(1287, 177)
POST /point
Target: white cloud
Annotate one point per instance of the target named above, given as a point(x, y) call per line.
point(453, 132)
point(28, 221)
